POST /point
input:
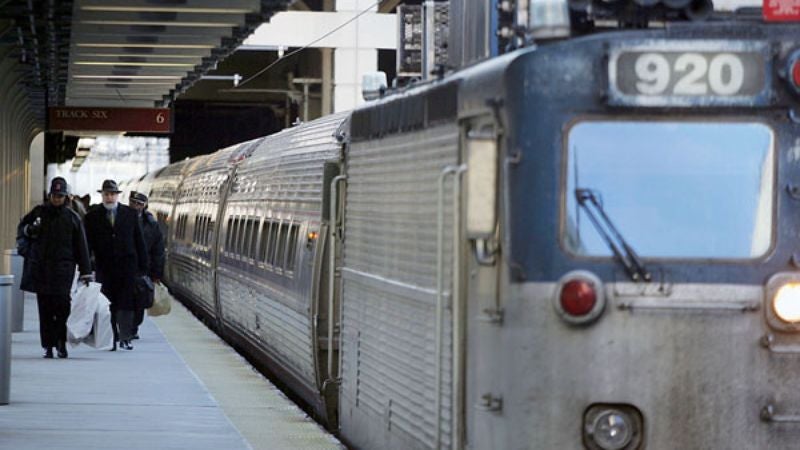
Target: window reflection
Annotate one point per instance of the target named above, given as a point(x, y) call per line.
point(673, 189)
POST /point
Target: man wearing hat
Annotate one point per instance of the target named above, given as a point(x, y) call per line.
point(54, 242)
point(116, 240)
point(154, 241)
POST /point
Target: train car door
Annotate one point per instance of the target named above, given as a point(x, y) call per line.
point(220, 230)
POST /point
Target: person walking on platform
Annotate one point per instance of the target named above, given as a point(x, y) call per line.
point(53, 241)
point(116, 240)
point(154, 241)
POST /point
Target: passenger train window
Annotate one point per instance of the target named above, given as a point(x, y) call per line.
point(262, 246)
point(178, 223)
point(209, 232)
point(282, 240)
point(254, 238)
point(290, 248)
point(672, 189)
point(273, 241)
point(243, 235)
point(206, 225)
point(232, 234)
point(237, 235)
point(197, 220)
point(249, 237)
point(201, 239)
point(228, 235)
point(201, 235)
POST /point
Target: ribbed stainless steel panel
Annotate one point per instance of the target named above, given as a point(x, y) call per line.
point(146, 182)
point(199, 196)
point(388, 392)
point(281, 180)
point(161, 202)
point(164, 189)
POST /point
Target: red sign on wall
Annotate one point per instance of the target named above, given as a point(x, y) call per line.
point(143, 120)
point(781, 10)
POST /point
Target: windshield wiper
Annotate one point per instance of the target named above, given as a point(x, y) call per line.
point(623, 253)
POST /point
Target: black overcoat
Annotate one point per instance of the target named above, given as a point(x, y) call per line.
point(154, 241)
point(52, 256)
point(119, 253)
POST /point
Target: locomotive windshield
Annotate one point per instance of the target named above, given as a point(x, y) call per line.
point(673, 189)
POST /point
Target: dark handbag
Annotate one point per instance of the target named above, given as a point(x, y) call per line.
point(144, 292)
point(23, 246)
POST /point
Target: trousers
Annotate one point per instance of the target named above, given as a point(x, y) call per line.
point(138, 318)
point(53, 313)
point(122, 323)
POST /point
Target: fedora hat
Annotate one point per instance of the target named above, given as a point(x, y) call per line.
point(110, 186)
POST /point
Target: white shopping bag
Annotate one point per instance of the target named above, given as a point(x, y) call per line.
point(81, 316)
point(102, 336)
point(162, 301)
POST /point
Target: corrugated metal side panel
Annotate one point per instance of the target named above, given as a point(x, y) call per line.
point(194, 278)
point(257, 312)
point(165, 187)
point(199, 193)
point(389, 286)
point(287, 166)
point(282, 178)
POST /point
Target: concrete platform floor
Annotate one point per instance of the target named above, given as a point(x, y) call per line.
point(180, 388)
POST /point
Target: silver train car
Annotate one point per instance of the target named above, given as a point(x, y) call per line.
point(559, 248)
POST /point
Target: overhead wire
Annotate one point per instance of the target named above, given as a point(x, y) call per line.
point(294, 52)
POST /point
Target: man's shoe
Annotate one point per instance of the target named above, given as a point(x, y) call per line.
point(48, 353)
point(135, 336)
point(62, 350)
point(126, 345)
point(114, 347)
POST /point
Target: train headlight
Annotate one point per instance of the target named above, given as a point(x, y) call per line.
point(579, 297)
point(612, 427)
point(786, 303)
point(782, 301)
point(611, 430)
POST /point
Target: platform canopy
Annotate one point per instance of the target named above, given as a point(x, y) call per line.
point(121, 53)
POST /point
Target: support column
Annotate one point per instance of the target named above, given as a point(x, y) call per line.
point(327, 80)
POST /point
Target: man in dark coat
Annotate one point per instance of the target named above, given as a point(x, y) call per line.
point(154, 241)
point(54, 241)
point(116, 240)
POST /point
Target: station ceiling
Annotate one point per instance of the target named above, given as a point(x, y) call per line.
point(122, 53)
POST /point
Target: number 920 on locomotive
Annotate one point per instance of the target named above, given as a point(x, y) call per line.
point(689, 73)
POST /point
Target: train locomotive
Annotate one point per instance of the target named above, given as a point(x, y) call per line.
point(587, 243)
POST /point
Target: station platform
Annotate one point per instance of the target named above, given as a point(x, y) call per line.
point(181, 387)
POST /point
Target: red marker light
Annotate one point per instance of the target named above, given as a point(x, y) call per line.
point(796, 73)
point(578, 297)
